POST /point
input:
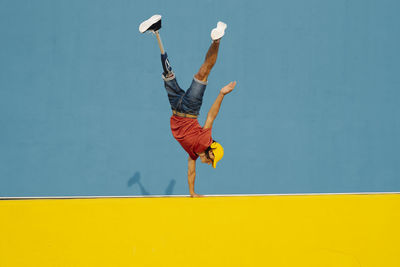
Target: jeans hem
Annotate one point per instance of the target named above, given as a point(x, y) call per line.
point(201, 82)
point(169, 78)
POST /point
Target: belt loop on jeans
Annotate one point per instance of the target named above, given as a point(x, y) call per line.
point(184, 115)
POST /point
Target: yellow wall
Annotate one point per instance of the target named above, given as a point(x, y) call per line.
point(328, 230)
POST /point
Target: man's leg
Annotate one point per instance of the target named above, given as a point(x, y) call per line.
point(212, 54)
point(164, 58)
point(175, 93)
point(193, 98)
point(153, 25)
point(209, 62)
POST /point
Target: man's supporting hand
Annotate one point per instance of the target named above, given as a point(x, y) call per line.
point(196, 195)
point(191, 175)
point(228, 88)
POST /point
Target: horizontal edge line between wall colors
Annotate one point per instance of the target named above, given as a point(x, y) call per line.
point(177, 196)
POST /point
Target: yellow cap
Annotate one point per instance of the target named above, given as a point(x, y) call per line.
point(218, 152)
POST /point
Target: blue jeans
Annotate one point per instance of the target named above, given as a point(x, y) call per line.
point(188, 102)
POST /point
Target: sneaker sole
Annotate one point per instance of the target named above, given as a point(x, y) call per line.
point(145, 25)
point(219, 32)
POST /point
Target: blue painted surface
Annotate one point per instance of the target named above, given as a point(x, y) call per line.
point(83, 110)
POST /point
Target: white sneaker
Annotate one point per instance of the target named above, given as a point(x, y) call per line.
point(152, 24)
point(218, 32)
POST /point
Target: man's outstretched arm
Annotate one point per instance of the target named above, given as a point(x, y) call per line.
point(192, 177)
point(213, 112)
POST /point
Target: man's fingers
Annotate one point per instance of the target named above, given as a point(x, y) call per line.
point(228, 88)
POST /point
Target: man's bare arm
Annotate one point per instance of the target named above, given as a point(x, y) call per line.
point(213, 112)
point(192, 176)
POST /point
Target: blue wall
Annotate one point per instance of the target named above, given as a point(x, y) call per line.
point(83, 110)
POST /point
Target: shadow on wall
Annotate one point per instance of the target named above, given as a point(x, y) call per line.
point(135, 179)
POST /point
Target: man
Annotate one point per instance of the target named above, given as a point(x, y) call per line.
point(194, 139)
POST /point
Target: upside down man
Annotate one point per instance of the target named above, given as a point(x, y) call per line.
point(197, 141)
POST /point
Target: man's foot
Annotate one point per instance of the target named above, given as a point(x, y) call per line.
point(218, 32)
point(152, 24)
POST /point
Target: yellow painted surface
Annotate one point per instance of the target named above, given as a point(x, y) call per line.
point(328, 230)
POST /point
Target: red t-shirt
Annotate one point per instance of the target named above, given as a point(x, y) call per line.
point(192, 137)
